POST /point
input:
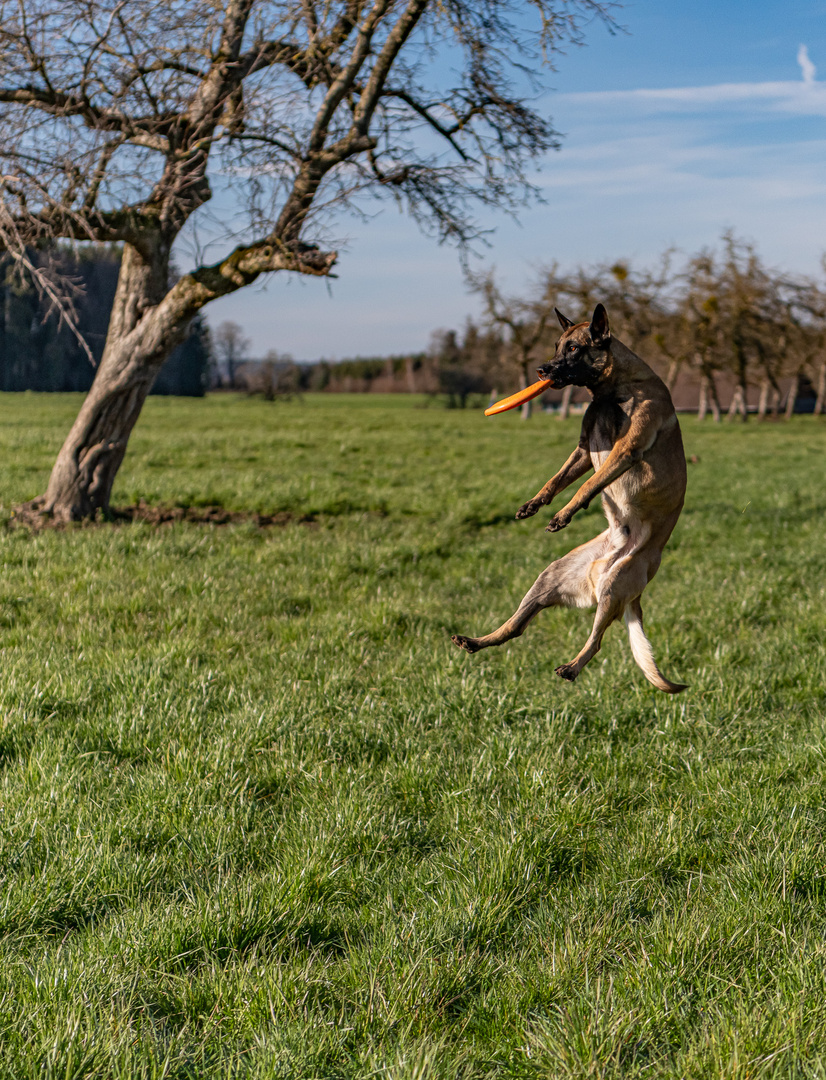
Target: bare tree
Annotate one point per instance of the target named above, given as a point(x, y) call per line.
point(804, 301)
point(116, 116)
point(746, 301)
point(639, 304)
point(231, 348)
point(458, 372)
point(278, 376)
point(524, 323)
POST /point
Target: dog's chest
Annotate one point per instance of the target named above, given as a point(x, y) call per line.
point(610, 424)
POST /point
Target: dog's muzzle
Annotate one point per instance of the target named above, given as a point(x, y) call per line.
point(555, 373)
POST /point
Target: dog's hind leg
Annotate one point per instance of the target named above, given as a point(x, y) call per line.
point(608, 609)
point(643, 653)
point(565, 583)
point(615, 580)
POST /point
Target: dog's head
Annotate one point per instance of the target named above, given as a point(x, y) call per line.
point(582, 353)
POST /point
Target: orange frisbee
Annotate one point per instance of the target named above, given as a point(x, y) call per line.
point(521, 396)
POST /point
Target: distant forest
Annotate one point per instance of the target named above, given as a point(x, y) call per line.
point(39, 352)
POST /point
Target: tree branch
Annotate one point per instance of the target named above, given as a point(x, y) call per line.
point(239, 269)
point(344, 82)
point(381, 69)
point(137, 131)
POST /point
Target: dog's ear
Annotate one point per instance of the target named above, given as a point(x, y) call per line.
point(599, 329)
point(563, 321)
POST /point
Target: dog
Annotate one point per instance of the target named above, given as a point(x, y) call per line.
point(631, 439)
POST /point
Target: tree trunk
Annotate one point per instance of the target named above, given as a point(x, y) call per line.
point(821, 389)
point(702, 408)
point(709, 399)
point(410, 375)
point(738, 403)
point(139, 340)
point(673, 372)
point(565, 404)
point(769, 395)
point(794, 389)
point(716, 411)
point(763, 404)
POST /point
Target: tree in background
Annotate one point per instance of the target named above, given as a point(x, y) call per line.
point(755, 325)
point(524, 323)
point(116, 114)
point(231, 348)
point(744, 298)
point(805, 303)
point(640, 311)
point(701, 331)
point(457, 369)
point(276, 376)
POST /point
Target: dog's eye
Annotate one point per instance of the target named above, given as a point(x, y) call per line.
point(572, 348)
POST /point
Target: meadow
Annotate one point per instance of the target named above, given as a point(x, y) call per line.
point(260, 818)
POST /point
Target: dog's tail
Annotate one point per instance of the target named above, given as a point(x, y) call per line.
point(643, 653)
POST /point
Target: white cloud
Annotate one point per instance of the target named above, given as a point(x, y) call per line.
point(806, 97)
point(807, 68)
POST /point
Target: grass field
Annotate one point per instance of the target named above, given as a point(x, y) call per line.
point(260, 818)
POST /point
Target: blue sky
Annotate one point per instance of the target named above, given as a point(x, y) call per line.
point(703, 116)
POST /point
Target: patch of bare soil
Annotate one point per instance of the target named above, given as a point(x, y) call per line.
point(206, 515)
point(27, 517)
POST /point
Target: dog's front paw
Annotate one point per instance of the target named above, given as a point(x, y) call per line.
point(557, 522)
point(529, 509)
point(567, 672)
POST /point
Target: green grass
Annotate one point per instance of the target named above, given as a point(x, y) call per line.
point(260, 818)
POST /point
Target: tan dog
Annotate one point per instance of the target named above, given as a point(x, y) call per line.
point(631, 438)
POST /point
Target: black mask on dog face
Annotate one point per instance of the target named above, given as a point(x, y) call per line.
point(581, 353)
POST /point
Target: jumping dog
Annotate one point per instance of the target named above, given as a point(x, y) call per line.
point(631, 439)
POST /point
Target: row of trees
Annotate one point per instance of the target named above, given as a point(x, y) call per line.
point(718, 316)
point(720, 324)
